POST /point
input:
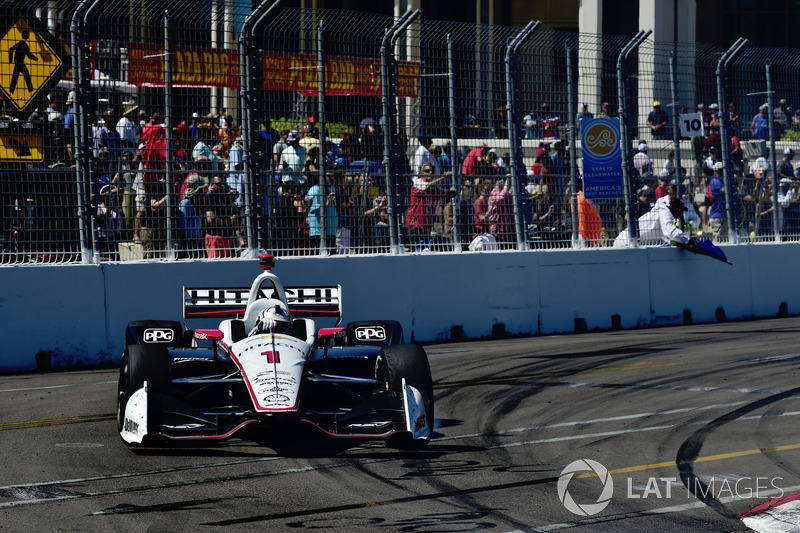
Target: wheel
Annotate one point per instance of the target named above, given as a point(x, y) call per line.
point(140, 363)
point(407, 361)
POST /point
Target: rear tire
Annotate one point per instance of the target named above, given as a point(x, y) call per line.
point(140, 363)
point(407, 361)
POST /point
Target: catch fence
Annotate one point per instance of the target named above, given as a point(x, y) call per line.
point(174, 130)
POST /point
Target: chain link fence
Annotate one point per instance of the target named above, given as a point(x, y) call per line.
point(169, 130)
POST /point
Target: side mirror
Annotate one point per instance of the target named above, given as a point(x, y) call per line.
point(208, 334)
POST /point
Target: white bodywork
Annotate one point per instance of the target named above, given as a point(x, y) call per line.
point(134, 425)
point(416, 418)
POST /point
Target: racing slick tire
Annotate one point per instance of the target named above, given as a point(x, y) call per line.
point(140, 363)
point(407, 361)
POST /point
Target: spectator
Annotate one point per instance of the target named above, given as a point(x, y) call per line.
point(480, 211)
point(669, 164)
point(443, 158)
point(227, 134)
point(590, 224)
point(501, 213)
point(759, 129)
point(349, 147)
point(292, 162)
point(549, 123)
point(223, 119)
point(643, 203)
point(713, 116)
point(762, 163)
point(604, 113)
point(127, 129)
point(191, 214)
point(529, 126)
point(663, 188)
point(221, 219)
point(371, 143)
point(787, 191)
point(501, 123)
point(194, 125)
point(780, 118)
point(236, 183)
point(710, 161)
point(314, 200)
point(376, 223)
point(785, 167)
point(718, 217)
point(475, 164)
point(154, 219)
point(425, 194)
point(289, 219)
point(423, 155)
point(583, 112)
point(277, 150)
point(713, 138)
point(737, 156)
point(734, 121)
point(657, 121)
point(796, 120)
point(657, 226)
point(643, 164)
point(109, 224)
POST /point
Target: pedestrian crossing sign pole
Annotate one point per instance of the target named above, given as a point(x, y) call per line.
point(27, 63)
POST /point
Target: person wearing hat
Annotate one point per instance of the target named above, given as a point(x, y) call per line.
point(643, 163)
point(710, 161)
point(657, 121)
point(583, 112)
point(787, 192)
point(127, 129)
point(759, 128)
point(718, 214)
point(293, 160)
point(109, 223)
point(191, 210)
point(605, 111)
point(785, 167)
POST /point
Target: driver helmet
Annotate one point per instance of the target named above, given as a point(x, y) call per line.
point(273, 320)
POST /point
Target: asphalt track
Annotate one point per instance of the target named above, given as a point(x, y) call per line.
point(695, 424)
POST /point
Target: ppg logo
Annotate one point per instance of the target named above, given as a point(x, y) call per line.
point(158, 335)
point(371, 334)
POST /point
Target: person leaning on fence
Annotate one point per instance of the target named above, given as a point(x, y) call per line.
point(425, 194)
point(718, 215)
point(109, 223)
point(657, 226)
point(315, 203)
point(191, 214)
point(500, 213)
point(221, 219)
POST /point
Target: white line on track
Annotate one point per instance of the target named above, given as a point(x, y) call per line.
point(648, 512)
point(649, 387)
point(32, 501)
point(59, 386)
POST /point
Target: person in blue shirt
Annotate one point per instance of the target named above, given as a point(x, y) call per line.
point(718, 216)
point(760, 126)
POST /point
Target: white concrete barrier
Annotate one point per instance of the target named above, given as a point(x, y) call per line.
point(76, 314)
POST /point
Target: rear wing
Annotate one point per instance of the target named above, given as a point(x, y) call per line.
point(231, 302)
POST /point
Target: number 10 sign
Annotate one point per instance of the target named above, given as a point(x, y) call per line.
point(691, 124)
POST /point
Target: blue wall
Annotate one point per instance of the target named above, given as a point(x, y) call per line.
point(79, 312)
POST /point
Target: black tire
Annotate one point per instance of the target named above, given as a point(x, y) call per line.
point(140, 363)
point(407, 361)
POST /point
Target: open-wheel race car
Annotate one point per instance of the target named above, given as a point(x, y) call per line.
point(267, 366)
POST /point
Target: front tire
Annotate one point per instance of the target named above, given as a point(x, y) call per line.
point(140, 363)
point(407, 361)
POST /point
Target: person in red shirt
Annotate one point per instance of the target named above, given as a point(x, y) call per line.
point(425, 194)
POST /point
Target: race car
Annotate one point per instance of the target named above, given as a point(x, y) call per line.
point(267, 366)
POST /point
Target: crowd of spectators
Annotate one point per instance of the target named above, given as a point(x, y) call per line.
point(198, 208)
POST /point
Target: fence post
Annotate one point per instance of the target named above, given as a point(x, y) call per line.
point(573, 148)
point(86, 219)
point(730, 184)
point(676, 136)
point(622, 93)
point(247, 102)
point(451, 92)
point(390, 149)
point(170, 148)
point(772, 155)
point(323, 189)
point(515, 125)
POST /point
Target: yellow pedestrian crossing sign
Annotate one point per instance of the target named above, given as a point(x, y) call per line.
point(27, 63)
point(21, 148)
